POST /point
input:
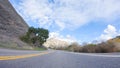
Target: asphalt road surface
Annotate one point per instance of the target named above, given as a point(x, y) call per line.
point(60, 59)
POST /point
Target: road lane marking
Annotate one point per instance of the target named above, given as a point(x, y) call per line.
point(22, 56)
point(97, 55)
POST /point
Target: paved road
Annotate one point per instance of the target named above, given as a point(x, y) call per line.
point(61, 59)
point(9, 52)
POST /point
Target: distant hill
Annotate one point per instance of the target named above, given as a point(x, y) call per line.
point(12, 26)
point(116, 41)
point(56, 43)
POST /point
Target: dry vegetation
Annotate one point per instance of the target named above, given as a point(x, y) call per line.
point(112, 45)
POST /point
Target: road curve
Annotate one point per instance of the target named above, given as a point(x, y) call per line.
point(61, 59)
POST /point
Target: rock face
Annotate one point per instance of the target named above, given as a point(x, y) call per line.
point(12, 26)
point(55, 43)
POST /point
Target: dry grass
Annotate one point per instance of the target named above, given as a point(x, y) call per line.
point(104, 47)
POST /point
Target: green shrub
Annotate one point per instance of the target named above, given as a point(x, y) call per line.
point(25, 39)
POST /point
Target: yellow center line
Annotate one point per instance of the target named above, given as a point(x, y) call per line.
point(22, 56)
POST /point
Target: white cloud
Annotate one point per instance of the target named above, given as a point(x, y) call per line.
point(109, 33)
point(67, 38)
point(55, 35)
point(68, 14)
point(60, 24)
point(110, 30)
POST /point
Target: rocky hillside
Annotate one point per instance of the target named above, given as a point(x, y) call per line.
point(56, 43)
point(12, 26)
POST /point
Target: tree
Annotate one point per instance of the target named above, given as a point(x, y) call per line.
point(36, 36)
point(42, 35)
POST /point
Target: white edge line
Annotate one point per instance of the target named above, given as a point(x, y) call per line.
point(90, 54)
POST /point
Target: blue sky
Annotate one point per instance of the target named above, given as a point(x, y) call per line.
point(73, 20)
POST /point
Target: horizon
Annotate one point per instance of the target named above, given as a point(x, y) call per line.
point(73, 20)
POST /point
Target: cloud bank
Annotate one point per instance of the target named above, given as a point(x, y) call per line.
point(68, 14)
point(68, 38)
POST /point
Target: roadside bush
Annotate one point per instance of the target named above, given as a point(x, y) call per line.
point(103, 47)
point(112, 45)
point(25, 39)
point(74, 47)
point(89, 48)
point(106, 47)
